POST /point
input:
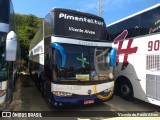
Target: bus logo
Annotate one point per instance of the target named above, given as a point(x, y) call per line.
point(129, 50)
point(89, 92)
point(83, 60)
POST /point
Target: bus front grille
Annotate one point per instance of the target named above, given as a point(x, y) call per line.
point(153, 62)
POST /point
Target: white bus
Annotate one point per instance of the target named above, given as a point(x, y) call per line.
point(9, 53)
point(70, 60)
point(137, 39)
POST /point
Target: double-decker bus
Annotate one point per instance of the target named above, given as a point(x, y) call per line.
point(137, 39)
point(70, 59)
point(9, 53)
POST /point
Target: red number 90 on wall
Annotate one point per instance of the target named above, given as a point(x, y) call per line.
point(154, 45)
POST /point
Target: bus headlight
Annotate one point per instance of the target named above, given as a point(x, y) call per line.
point(2, 92)
point(62, 94)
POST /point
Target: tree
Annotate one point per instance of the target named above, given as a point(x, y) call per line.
point(26, 26)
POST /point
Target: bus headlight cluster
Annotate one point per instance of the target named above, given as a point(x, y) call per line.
point(62, 94)
point(108, 90)
point(2, 92)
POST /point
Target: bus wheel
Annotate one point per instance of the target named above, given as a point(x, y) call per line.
point(125, 90)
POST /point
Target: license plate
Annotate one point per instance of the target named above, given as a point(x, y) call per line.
point(88, 102)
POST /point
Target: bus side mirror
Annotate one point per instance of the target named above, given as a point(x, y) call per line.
point(113, 57)
point(11, 46)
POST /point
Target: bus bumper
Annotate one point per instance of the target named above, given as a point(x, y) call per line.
point(59, 102)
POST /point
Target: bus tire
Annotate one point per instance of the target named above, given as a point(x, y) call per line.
point(124, 89)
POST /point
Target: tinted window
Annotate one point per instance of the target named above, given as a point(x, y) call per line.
point(150, 22)
point(12, 18)
point(47, 26)
point(37, 38)
point(82, 63)
point(132, 25)
point(4, 11)
point(111, 33)
point(77, 62)
point(3, 63)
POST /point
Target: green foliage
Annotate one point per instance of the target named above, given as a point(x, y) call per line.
point(26, 26)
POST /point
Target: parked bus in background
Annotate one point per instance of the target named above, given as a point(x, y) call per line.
point(70, 59)
point(9, 53)
point(137, 39)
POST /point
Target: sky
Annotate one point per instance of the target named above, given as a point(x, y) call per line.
point(113, 10)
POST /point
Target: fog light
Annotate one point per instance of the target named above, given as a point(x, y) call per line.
point(55, 103)
point(60, 104)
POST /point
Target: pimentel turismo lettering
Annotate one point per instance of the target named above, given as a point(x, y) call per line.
point(80, 19)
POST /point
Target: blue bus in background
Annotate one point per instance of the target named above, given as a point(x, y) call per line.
point(9, 53)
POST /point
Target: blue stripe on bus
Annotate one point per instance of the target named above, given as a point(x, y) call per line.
point(62, 52)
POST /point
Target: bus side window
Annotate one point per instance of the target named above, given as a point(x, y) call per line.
point(111, 33)
point(131, 25)
point(149, 22)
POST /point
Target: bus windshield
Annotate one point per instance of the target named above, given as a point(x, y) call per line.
point(82, 63)
point(3, 63)
point(4, 11)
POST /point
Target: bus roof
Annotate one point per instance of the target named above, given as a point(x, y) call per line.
point(138, 13)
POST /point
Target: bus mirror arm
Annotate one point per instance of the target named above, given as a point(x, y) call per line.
point(62, 52)
point(11, 46)
point(63, 58)
point(113, 54)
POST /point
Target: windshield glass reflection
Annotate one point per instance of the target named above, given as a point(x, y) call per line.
point(82, 63)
